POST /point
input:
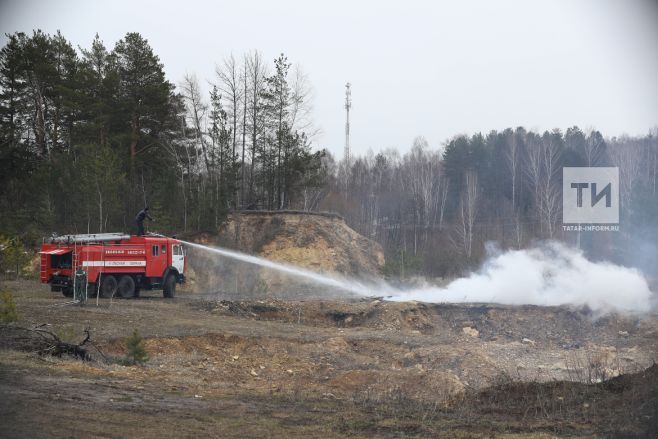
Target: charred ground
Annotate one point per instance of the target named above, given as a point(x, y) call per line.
point(327, 368)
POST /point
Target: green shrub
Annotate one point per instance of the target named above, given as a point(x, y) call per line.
point(13, 256)
point(7, 308)
point(136, 352)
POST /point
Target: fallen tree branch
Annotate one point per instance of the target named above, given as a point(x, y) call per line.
point(44, 341)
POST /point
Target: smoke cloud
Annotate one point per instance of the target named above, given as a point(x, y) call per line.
point(550, 274)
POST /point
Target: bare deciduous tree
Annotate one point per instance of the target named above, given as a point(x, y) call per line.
point(301, 108)
point(468, 212)
point(231, 87)
point(533, 172)
point(512, 159)
point(549, 191)
point(627, 155)
point(196, 114)
point(594, 148)
point(256, 73)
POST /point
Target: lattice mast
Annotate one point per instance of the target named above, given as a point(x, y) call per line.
point(348, 105)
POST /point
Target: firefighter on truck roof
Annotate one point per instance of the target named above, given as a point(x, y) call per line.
point(139, 219)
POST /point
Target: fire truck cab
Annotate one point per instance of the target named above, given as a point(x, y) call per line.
point(115, 264)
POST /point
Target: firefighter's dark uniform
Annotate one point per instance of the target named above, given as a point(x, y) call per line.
point(139, 219)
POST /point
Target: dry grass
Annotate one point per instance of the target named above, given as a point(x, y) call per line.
point(330, 369)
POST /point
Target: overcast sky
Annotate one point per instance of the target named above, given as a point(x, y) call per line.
point(432, 69)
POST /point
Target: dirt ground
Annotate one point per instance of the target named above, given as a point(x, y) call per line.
point(359, 368)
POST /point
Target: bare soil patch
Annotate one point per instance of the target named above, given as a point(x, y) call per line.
point(368, 368)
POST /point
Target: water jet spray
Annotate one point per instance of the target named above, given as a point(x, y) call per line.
point(343, 284)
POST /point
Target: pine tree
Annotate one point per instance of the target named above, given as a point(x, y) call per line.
point(277, 103)
point(136, 352)
point(17, 158)
point(223, 154)
point(62, 93)
point(12, 89)
point(99, 82)
point(143, 89)
point(144, 101)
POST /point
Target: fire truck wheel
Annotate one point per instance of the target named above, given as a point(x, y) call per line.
point(67, 292)
point(126, 287)
point(108, 286)
point(169, 289)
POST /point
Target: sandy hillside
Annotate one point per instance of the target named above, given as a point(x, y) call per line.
point(319, 242)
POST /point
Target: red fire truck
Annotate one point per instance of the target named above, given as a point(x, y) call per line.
point(114, 264)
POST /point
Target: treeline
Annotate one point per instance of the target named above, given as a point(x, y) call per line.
point(89, 136)
point(434, 211)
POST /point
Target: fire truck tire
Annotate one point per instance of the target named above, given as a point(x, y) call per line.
point(169, 288)
point(67, 292)
point(108, 286)
point(126, 287)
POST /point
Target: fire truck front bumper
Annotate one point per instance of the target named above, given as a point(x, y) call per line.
point(59, 283)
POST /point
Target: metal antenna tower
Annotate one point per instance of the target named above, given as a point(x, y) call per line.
point(348, 105)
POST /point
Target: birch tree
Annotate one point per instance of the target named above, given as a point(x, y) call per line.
point(512, 160)
point(468, 212)
point(255, 78)
point(231, 86)
point(549, 190)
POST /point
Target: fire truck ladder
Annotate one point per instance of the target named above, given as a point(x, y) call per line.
point(43, 273)
point(89, 237)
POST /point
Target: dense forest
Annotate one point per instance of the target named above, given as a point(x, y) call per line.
point(435, 210)
point(88, 136)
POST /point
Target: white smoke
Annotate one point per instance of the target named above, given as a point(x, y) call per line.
point(551, 274)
